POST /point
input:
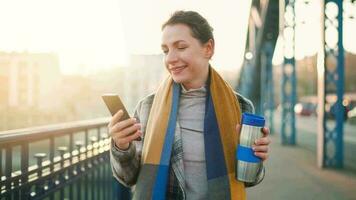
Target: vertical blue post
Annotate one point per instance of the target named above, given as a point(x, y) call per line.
point(288, 93)
point(267, 93)
point(330, 136)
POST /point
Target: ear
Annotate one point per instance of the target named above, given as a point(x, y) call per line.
point(209, 48)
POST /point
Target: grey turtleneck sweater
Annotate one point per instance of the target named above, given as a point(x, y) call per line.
point(191, 120)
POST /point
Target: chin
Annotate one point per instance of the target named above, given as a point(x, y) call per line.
point(178, 79)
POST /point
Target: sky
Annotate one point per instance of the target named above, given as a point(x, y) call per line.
point(228, 18)
point(90, 35)
point(83, 33)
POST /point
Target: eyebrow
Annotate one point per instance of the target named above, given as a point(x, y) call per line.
point(174, 43)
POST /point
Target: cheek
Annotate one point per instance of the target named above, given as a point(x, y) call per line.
point(189, 58)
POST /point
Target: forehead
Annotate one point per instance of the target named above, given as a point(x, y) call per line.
point(174, 33)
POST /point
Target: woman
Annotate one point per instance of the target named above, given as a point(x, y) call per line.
point(189, 127)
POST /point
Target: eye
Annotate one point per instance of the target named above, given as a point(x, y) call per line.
point(165, 51)
point(182, 48)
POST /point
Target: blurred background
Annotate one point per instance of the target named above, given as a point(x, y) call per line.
point(58, 57)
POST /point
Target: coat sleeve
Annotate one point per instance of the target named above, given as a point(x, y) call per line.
point(126, 164)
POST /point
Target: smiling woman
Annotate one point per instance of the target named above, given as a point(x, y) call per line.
point(189, 125)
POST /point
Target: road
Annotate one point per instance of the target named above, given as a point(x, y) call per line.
point(307, 133)
point(292, 174)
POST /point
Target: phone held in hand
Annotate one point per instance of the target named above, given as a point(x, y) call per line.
point(114, 104)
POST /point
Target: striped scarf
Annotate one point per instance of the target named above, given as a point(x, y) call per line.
point(222, 113)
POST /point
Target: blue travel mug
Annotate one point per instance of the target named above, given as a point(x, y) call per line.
point(247, 164)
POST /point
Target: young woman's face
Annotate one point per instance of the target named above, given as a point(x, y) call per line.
point(186, 59)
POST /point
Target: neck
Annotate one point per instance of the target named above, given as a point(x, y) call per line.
point(199, 82)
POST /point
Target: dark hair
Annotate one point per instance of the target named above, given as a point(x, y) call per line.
point(198, 25)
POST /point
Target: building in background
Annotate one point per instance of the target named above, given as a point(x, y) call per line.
point(82, 94)
point(140, 78)
point(33, 91)
point(27, 82)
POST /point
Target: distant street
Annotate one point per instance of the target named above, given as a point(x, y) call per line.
point(292, 172)
point(307, 133)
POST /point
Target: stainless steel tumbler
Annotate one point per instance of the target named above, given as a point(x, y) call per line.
point(247, 164)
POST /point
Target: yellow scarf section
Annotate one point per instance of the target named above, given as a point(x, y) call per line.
point(227, 112)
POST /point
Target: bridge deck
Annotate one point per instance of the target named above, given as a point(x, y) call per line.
point(292, 173)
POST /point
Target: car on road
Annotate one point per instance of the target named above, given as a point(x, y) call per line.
point(305, 109)
point(352, 116)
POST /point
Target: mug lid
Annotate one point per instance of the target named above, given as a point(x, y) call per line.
point(253, 120)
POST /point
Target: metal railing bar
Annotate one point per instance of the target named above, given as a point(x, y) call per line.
point(98, 177)
point(51, 158)
point(79, 168)
point(71, 170)
point(93, 140)
point(33, 178)
point(39, 185)
point(62, 184)
point(1, 172)
point(24, 168)
point(69, 181)
point(44, 132)
point(8, 168)
point(47, 165)
point(86, 164)
point(34, 182)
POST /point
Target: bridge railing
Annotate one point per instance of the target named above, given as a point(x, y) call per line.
point(64, 161)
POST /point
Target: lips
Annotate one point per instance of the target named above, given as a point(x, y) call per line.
point(176, 70)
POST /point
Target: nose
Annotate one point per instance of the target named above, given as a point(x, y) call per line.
point(171, 57)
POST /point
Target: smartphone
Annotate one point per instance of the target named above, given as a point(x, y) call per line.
point(114, 104)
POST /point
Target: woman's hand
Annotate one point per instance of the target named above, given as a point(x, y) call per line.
point(123, 132)
point(260, 147)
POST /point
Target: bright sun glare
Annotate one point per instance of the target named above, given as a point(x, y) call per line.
point(92, 35)
point(83, 33)
point(89, 35)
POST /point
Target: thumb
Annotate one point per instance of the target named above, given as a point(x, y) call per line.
point(238, 128)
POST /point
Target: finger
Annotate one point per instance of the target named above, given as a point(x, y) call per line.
point(265, 131)
point(261, 155)
point(115, 118)
point(128, 131)
point(238, 128)
point(263, 141)
point(129, 138)
point(121, 125)
point(260, 148)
